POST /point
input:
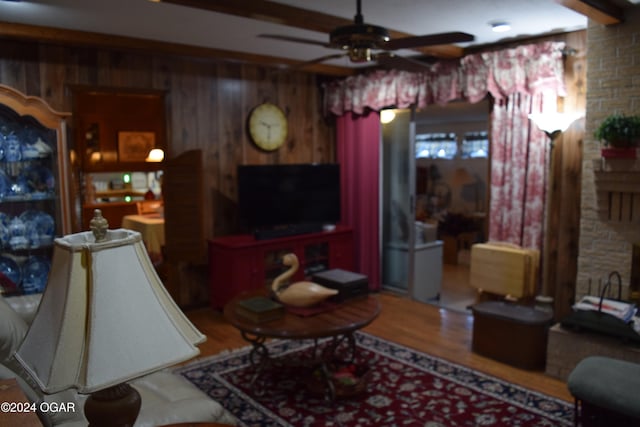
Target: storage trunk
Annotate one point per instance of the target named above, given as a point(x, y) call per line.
point(510, 333)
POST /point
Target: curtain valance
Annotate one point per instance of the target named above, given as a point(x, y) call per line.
point(529, 69)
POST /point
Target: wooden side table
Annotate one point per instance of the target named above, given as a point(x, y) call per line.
point(10, 392)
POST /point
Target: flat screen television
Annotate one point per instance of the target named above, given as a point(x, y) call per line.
point(293, 195)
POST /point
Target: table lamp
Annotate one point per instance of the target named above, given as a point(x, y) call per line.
point(105, 318)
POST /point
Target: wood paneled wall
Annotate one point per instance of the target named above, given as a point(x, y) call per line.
point(207, 101)
point(207, 107)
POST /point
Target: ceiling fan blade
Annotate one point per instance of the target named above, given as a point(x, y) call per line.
point(317, 60)
point(389, 60)
point(428, 40)
point(295, 39)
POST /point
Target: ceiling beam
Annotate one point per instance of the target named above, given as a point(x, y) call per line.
point(290, 16)
point(15, 31)
point(601, 11)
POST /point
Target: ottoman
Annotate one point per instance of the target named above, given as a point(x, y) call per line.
point(511, 333)
point(606, 392)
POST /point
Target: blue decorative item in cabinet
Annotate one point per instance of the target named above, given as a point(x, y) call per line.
point(39, 228)
point(5, 184)
point(10, 274)
point(37, 181)
point(18, 235)
point(35, 273)
point(12, 149)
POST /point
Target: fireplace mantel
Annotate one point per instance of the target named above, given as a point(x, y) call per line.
point(618, 195)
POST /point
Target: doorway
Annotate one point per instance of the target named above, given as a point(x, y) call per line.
point(434, 196)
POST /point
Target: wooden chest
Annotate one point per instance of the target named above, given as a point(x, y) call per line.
point(511, 333)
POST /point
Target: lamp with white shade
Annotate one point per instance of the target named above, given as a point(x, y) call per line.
point(552, 124)
point(105, 318)
point(155, 155)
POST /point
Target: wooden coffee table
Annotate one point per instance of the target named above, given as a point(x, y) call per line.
point(338, 323)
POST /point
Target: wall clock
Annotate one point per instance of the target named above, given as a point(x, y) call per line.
point(268, 126)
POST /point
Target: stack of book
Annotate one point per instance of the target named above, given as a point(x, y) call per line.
point(348, 283)
point(622, 310)
point(260, 309)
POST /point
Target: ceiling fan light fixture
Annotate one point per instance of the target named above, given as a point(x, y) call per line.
point(500, 27)
point(363, 43)
point(360, 54)
point(364, 35)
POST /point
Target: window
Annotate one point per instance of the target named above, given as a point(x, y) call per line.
point(436, 145)
point(475, 145)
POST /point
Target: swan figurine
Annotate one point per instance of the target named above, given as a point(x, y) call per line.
point(298, 294)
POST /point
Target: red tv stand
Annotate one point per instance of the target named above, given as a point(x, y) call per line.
point(241, 263)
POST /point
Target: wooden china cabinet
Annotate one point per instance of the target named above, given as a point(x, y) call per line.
point(35, 199)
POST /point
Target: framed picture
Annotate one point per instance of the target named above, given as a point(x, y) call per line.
point(134, 146)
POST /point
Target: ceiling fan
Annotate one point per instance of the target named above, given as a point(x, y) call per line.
point(364, 43)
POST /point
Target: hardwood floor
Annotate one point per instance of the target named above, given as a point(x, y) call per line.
point(434, 330)
point(456, 294)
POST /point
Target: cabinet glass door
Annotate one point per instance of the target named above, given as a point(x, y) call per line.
point(316, 258)
point(398, 189)
point(33, 191)
point(273, 266)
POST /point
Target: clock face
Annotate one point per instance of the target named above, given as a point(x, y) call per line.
point(268, 126)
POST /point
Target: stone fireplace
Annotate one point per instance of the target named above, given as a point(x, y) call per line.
point(610, 195)
point(610, 206)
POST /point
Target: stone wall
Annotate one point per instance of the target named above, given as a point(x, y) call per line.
point(613, 85)
point(565, 349)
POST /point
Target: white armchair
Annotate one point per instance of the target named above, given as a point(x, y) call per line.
point(167, 398)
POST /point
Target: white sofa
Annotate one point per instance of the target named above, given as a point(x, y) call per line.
point(166, 398)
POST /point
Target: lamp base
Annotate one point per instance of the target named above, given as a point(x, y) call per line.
point(116, 406)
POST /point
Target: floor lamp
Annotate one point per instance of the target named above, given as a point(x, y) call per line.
point(552, 124)
point(105, 318)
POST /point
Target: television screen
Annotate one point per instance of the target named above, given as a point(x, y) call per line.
point(280, 195)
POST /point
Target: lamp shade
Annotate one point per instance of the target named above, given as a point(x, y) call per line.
point(105, 317)
point(554, 122)
point(155, 155)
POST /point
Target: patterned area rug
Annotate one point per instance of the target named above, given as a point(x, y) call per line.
point(403, 388)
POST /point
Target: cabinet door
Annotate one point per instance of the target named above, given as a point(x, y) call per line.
point(272, 265)
point(341, 252)
point(315, 258)
point(34, 190)
point(232, 271)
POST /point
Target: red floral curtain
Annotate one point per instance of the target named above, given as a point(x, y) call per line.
point(524, 80)
point(519, 165)
point(521, 80)
point(529, 69)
